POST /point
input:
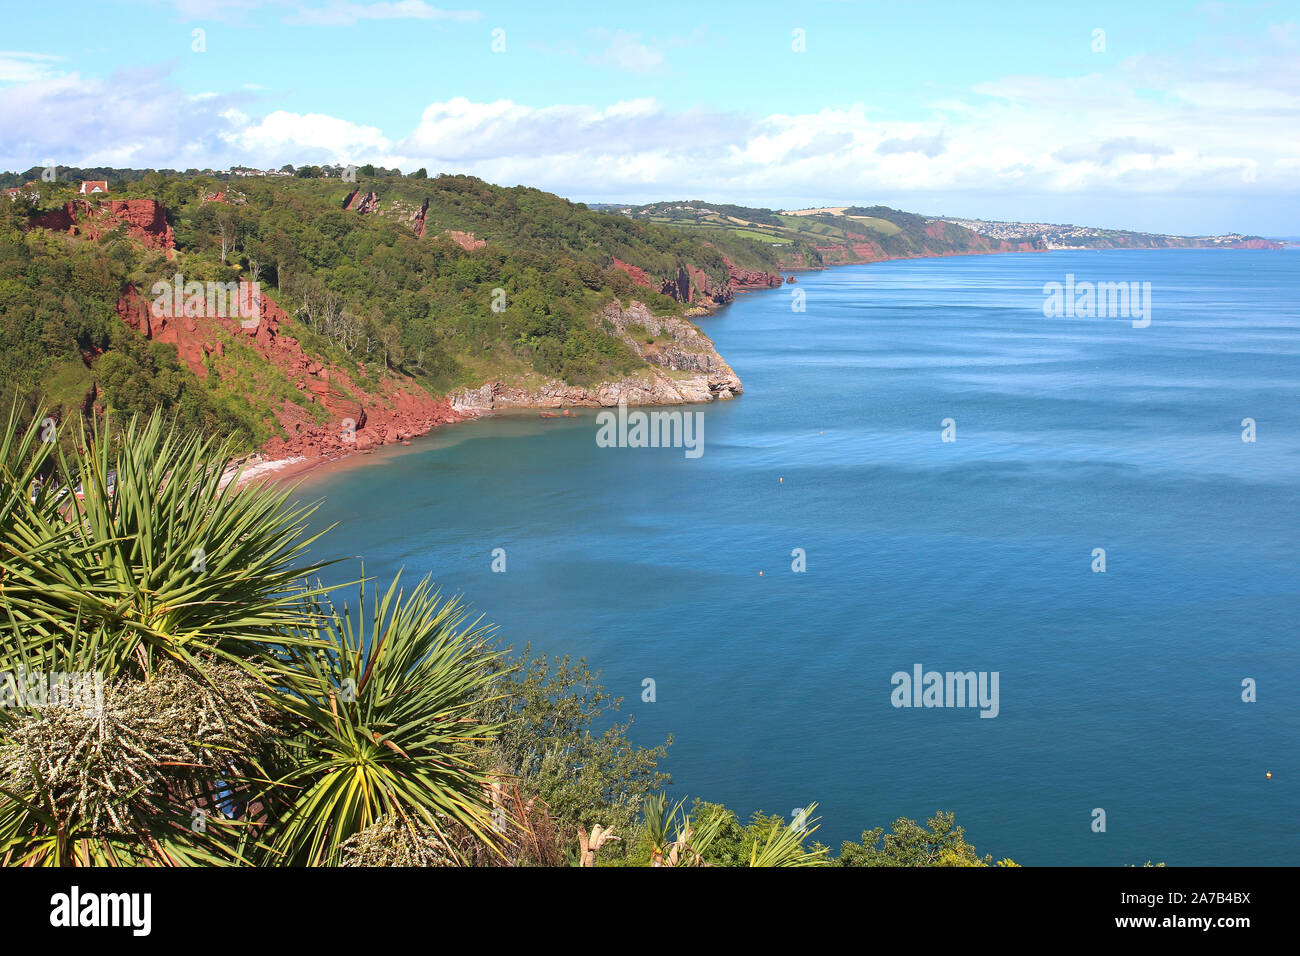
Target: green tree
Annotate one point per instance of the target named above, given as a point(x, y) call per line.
point(940, 842)
point(552, 745)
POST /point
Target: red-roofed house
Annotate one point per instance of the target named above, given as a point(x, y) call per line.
point(27, 189)
point(91, 186)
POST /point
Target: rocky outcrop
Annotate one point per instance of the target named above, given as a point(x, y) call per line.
point(745, 280)
point(361, 204)
point(637, 275)
point(338, 415)
point(183, 332)
point(418, 217)
point(676, 344)
point(145, 221)
point(653, 389)
point(686, 369)
point(465, 240)
point(708, 293)
point(692, 286)
point(677, 287)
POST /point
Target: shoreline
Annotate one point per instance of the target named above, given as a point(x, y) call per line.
point(298, 468)
point(274, 471)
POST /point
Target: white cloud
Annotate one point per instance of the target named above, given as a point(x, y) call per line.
point(625, 51)
point(20, 67)
point(132, 118)
point(1145, 128)
point(344, 13)
point(314, 136)
point(222, 10)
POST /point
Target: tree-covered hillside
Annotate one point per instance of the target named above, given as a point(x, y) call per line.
point(443, 282)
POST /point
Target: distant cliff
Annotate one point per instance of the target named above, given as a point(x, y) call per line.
point(758, 244)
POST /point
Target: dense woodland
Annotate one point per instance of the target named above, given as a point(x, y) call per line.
point(364, 291)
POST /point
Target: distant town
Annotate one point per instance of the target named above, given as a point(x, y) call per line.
point(1058, 236)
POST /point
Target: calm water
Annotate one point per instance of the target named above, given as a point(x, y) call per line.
point(1119, 690)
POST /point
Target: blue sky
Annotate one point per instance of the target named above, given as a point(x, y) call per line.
point(1188, 120)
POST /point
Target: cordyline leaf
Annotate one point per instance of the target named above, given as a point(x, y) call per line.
point(142, 536)
point(402, 740)
point(134, 554)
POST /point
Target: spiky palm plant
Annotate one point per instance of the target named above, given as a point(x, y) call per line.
point(129, 774)
point(676, 840)
point(784, 845)
point(386, 729)
point(690, 840)
point(138, 548)
point(135, 557)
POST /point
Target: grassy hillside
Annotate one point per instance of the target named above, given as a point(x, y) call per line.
point(775, 241)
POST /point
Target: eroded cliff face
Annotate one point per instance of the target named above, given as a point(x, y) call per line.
point(338, 412)
point(691, 285)
point(145, 221)
point(686, 368)
point(361, 203)
point(356, 417)
point(940, 239)
point(418, 218)
point(637, 274)
point(746, 280)
point(466, 240)
point(677, 287)
point(1257, 244)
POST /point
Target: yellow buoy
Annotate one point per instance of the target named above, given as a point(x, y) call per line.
point(1267, 773)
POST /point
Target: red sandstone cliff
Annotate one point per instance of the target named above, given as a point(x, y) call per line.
point(361, 204)
point(145, 221)
point(465, 240)
point(744, 280)
point(418, 218)
point(637, 274)
point(398, 410)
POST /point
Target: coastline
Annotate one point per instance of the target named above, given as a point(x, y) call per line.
point(258, 467)
point(296, 468)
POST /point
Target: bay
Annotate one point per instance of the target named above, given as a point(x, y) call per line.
point(1119, 690)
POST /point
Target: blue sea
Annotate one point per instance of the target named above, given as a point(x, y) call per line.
point(1119, 690)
